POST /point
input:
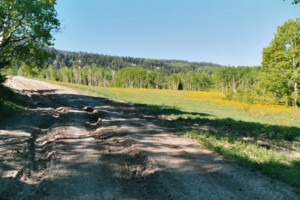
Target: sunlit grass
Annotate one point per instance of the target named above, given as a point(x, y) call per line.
point(212, 103)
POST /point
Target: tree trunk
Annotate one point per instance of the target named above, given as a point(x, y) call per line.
point(296, 94)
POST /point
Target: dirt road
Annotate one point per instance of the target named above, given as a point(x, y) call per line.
point(75, 145)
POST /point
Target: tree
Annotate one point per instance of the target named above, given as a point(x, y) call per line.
point(281, 62)
point(154, 79)
point(26, 28)
point(296, 1)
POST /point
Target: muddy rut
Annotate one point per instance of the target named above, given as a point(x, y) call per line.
point(71, 144)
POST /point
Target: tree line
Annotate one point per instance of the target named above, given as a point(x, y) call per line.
point(126, 77)
point(240, 83)
point(69, 59)
point(225, 79)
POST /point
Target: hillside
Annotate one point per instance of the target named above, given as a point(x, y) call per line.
point(69, 59)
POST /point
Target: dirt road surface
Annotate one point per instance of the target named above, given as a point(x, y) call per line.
point(71, 144)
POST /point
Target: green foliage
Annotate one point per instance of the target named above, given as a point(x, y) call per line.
point(26, 28)
point(88, 75)
point(5, 93)
point(296, 1)
point(232, 79)
point(9, 71)
point(130, 77)
point(281, 63)
point(196, 81)
point(155, 79)
point(2, 79)
point(26, 70)
point(9, 102)
point(167, 67)
point(127, 77)
point(50, 73)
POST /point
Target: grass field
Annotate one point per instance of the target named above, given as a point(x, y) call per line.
point(212, 103)
point(264, 137)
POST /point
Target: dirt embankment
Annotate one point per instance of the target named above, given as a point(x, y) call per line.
point(75, 145)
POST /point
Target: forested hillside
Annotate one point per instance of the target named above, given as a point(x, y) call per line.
point(81, 59)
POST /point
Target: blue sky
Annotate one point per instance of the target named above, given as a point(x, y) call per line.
point(227, 32)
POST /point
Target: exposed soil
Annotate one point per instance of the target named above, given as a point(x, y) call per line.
point(76, 145)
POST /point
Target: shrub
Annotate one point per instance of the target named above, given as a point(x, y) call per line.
point(5, 92)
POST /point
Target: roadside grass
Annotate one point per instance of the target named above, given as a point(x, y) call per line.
point(264, 137)
point(276, 164)
point(9, 102)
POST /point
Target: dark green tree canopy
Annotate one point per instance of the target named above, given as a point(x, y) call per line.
point(295, 1)
point(26, 28)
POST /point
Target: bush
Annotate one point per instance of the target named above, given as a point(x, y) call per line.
point(229, 95)
point(5, 92)
point(2, 79)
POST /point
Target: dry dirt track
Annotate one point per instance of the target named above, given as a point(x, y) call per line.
point(75, 145)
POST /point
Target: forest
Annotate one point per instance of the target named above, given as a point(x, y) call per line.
point(69, 59)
